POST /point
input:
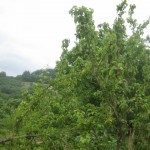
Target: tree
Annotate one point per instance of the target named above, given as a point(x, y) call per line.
point(107, 69)
point(2, 74)
point(26, 76)
point(100, 97)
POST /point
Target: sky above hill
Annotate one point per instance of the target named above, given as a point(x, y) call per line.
point(31, 31)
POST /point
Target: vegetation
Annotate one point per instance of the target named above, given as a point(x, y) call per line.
point(99, 98)
point(11, 93)
point(12, 87)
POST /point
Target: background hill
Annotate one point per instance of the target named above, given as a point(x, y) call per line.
point(12, 87)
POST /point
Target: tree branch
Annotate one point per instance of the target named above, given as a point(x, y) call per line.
point(2, 141)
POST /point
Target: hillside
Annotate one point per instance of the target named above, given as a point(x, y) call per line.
point(12, 87)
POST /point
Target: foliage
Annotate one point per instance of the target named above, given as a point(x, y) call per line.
point(100, 97)
point(10, 87)
point(11, 91)
point(6, 112)
point(2, 74)
point(36, 75)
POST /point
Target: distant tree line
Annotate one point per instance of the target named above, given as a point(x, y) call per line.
point(12, 87)
point(35, 76)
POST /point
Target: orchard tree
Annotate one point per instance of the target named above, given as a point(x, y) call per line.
point(110, 69)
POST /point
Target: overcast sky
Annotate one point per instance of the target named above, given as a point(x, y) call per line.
point(31, 31)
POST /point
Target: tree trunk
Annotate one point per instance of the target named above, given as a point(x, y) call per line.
point(131, 139)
